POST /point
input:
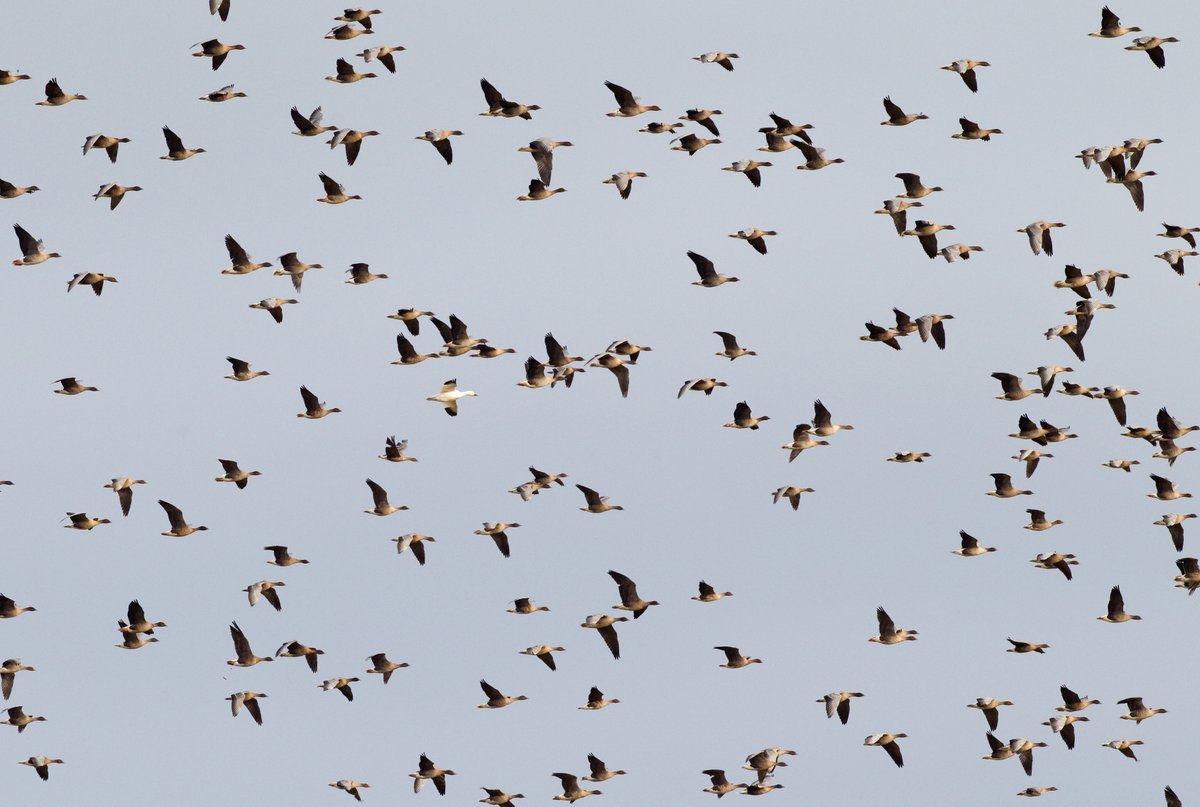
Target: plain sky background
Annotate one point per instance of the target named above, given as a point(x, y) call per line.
point(150, 727)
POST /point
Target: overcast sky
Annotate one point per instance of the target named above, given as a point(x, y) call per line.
point(150, 727)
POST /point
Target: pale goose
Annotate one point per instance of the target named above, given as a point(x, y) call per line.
point(1120, 465)
point(213, 49)
point(310, 126)
point(1116, 609)
point(705, 385)
point(814, 158)
point(1174, 231)
point(896, 116)
point(351, 140)
point(501, 107)
point(838, 703)
point(627, 590)
point(1174, 524)
point(498, 531)
point(94, 279)
point(966, 69)
point(1039, 236)
point(449, 396)
point(8, 673)
point(396, 451)
point(1152, 45)
point(544, 652)
point(11, 191)
point(335, 193)
point(623, 180)
point(572, 792)
point(801, 441)
point(273, 306)
point(226, 93)
point(235, 474)
point(887, 336)
point(242, 371)
point(755, 238)
point(176, 151)
point(380, 497)
point(347, 75)
point(409, 354)
point(248, 699)
point(525, 605)
point(717, 57)
point(241, 646)
point(1000, 750)
point(240, 260)
point(281, 556)
point(1174, 258)
point(33, 251)
point(926, 233)
point(710, 594)
point(411, 319)
point(382, 665)
point(350, 786)
point(888, 743)
point(1124, 746)
point(102, 141)
point(970, 547)
point(913, 188)
point(361, 274)
point(56, 97)
point(1064, 726)
point(1031, 457)
point(538, 191)
point(692, 143)
point(415, 542)
point(617, 367)
point(314, 408)
point(82, 521)
point(750, 169)
point(1056, 560)
point(41, 764)
point(1026, 647)
point(888, 633)
point(791, 493)
point(972, 131)
point(9, 609)
point(599, 771)
point(1072, 702)
point(1164, 490)
point(344, 32)
point(604, 625)
point(264, 589)
point(595, 502)
point(991, 710)
point(179, 526)
point(720, 785)
point(897, 209)
point(342, 685)
point(1138, 711)
point(18, 718)
point(734, 660)
point(385, 55)
point(744, 419)
point(1024, 750)
point(627, 105)
point(1110, 26)
point(1004, 488)
point(956, 252)
point(440, 140)
point(542, 151)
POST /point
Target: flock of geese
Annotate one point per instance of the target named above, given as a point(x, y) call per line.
point(1090, 291)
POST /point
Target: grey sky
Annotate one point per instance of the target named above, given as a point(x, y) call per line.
point(151, 724)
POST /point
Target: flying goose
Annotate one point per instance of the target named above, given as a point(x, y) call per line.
point(11, 77)
point(1024, 750)
point(1013, 391)
point(449, 395)
point(716, 57)
point(1000, 750)
point(105, 142)
point(1031, 457)
point(623, 180)
point(525, 605)
point(382, 506)
point(273, 306)
point(18, 718)
point(248, 699)
point(603, 623)
point(887, 336)
point(755, 238)
point(226, 93)
point(440, 140)
point(657, 127)
point(627, 105)
point(352, 140)
point(543, 652)
point(281, 556)
point(241, 263)
point(720, 785)
point(310, 126)
point(617, 367)
point(1152, 45)
point(137, 620)
point(94, 279)
point(350, 786)
point(176, 152)
point(991, 710)
point(599, 771)
point(346, 74)
point(692, 143)
point(888, 743)
point(1039, 236)
point(966, 69)
point(1174, 231)
point(1124, 746)
point(1004, 488)
point(179, 527)
point(344, 32)
point(9, 609)
point(705, 385)
point(41, 764)
point(33, 251)
point(235, 474)
point(242, 371)
point(791, 493)
point(8, 672)
point(1063, 726)
point(970, 547)
point(409, 354)
point(1056, 560)
point(1174, 524)
point(595, 502)
point(888, 633)
point(335, 193)
point(382, 665)
point(501, 107)
point(1188, 577)
point(572, 792)
point(710, 594)
point(542, 151)
point(734, 659)
point(499, 797)
point(411, 318)
point(498, 532)
point(896, 116)
point(956, 252)
point(839, 703)
point(1110, 26)
point(416, 543)
point(1072, 702)
point(361, 274)
point(814, 158)
point(385, 55)
point(1164, 490)
point(1026, 647)
point(56, 97)
point(743, 419)
point(1169, 451)
point(1138, 711)
point(264, 589)
point(213, 49)
point(971, 131)
point(241, 646)
point(1116, 609)
point(627, 590)
point(82, 521)
point(909, 456)
point(314, 409)
point(749, 168)
point(11, 191)
point(801, 441)
point(342, 685)
point(538, 191)
point(897, 209)
point(496, 699)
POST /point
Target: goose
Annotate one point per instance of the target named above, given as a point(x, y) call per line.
point(1026, 647)
point(617, 367)
point(11, 77)
point(888, 743)
point(1170, 452)
point(913, 189)
point(266, 590)
point(759, 789)
point(1116, 609)
point(525, 605)
point(440, 140)
point(1110, 26)
point(692, 143)
point(543, 652)
point(791, 493)
point(595, 502)
point(382, 665)
point(538, 191)
point(137, 620)
point(1138, 711)
point(1132, 180)
point(496, 699)
point(1011, 384)
point(344, 32)
point(1124, 746)
point(1069, 388)
point(734, 659)
point(240, 260)
point(335, 193)
point(1000, 750)
point(499, 797)
point(449, 396)
point(1046, 374)
point(572, 792)
point(801, 441)
point(1171, 429)
point(888, 633)
point(11, 191)
point(777, 142)
point(1039, 236)
point(248, 699)
point(1063, 726)
point(971, 131)
point(1004, 488)
point(1070, 335)
point(350, 786)
point(310, 126)
point(380, 497)
point(630, 601)
point(411, 318)
point(909, 456)
point(1164, 490)
point(898, 210)
point(1031, 457)
point(498, 531)
point(743, 419)
point(732, 349)
point(1024, 750)
point(346, 75)
point(41, 764)
point(604, 625)
point(1174, 231)
point(623, 181)
point(342, 685)
point(896, 116)
point(1152, 45)
point(273, 306)
point(542, 480)
point(717, 57)
point(887, 336)
point(395, 451)
point(991, 710)
point(1120, 465)
point(1174, 524)
point(755, 238)
point(1030, 431)
point(281, 556)
point(623, 347)
point(114, 193)
point(839, 703)
point(18, 718)
point(235, 474)
point(226, 93)
point(501, 107)
point(970, 547)
point(352, 140)
point(657, 127)
point(1075, 280)
point(786, 128)
point(56, 97)
point(179, 527)
point(1056, 560)
point(704, 118)
point(361, 274)
point(455, 337)
point(385, 55)
point(1172, 799)
point(213, 49)
point(1072, 702)
point(599, 771)
point(705, 385)
point(103, 141)
point(966, 69)
point(542, 151)
point(241, 646)
point(765, 761)
point(298, 650)
point(360, 15)
point(409, 354)
point(627, 105)
point(123, 487)
point(70, 386)
point(750, 169)
point(314, 409)
point(1106, 280)
point(242, 371)
point(1174, 258)
point(1136, 149)
point(720, 785)
point(10, 667)
point(33, 251)
point(556, 352)
point(9, 609)
point(93, 279)
point(710, 594)
point(1188, 577)
point(814, 158)
point(416, 543)
point(176, 152)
